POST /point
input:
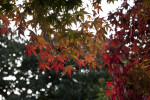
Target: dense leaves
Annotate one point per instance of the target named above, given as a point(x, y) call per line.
point(50, 29)
point(127, 52)
point(27, 82)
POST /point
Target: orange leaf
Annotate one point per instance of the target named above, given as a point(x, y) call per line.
point(68, 70)
point(89, 58)
point(80, 62)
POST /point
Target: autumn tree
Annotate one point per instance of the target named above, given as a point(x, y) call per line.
point(126, 53)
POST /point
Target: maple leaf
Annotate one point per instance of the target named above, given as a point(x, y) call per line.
point(30, 49)
point(107, 58)
point(43, 65)
point(50, 58)
point(43, 54)
point(92, 65)
point(80, 62)
point(109, 85)
point(108, 94)
point(89, 58)
point(62, 59)
point(57, 66)
point(98, 8)
point(75, 55)
point(68, 70)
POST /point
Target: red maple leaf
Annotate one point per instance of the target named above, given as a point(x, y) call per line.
point(108, 94)
point(50, 58)
point(68, 70)
point(43, 65)
point(30, 49)
point(62, 59)
point(43, 54)
point(108, 85)
point(57, 66)
point(46, 56)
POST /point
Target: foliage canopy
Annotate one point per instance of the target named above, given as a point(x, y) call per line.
point(126, 53)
